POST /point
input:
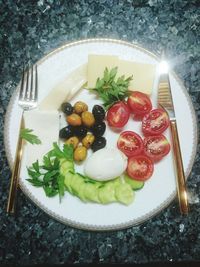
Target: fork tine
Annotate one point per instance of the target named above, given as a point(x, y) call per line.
point(27, 83)
point(22, 84)
point(36, 84)
point(31, 87)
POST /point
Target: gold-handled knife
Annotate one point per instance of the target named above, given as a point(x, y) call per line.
point(165, 101)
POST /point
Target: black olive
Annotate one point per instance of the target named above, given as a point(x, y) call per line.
point(80, 131)
point(98, 129)
point(66, 132)
point(99, 142)
point(98, 112)
point(67, 108)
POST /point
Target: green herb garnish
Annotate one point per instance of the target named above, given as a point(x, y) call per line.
point(29, 137)
point(48, 174)
point(67, 152)
point(110, 89)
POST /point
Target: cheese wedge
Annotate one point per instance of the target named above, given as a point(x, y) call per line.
point(46, 126)
point(143, 75)
point(65, 90)
point(97, 65)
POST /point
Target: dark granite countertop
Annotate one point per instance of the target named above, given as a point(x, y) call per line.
point(30, 29)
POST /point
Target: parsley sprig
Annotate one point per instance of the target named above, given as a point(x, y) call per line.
point(26, 134)
point(47, 175)
point(111, 89)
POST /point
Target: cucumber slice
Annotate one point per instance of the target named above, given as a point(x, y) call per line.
point(68, 178)
point(83, 188)
point(81, 193)
point(76, 183)
point(66, 166)
point(107, 193)
point(135, 185)
point(91, 192)
point(100, 192)
point(116, 181)
point(124, 193)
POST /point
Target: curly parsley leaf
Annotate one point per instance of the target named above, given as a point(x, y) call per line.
point(111, 89)
point(26, 134)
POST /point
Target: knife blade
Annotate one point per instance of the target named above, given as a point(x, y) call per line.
point(165, 101)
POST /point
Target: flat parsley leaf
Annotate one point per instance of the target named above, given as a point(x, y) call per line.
point(48, 174)
point(67, 152)
point(50, 191)
point(26, 134)
point(111, 89)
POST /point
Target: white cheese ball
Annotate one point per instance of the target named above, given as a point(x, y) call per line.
point(105, 164)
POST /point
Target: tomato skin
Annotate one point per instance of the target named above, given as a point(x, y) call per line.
point(130, 143)
point(118, 115)
point(139, 104)
point(155, 122)
point(140, 167)
point(156, 147)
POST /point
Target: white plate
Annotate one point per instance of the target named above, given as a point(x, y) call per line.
point(158, 192)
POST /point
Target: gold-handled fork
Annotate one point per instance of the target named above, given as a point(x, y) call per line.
point(28, 97)
point(166, 102)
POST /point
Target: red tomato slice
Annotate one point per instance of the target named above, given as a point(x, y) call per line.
point(130, 143)
point(139, 103)
point(118, 115)
point(155, 122)
point(140, 168)
point(156, 147)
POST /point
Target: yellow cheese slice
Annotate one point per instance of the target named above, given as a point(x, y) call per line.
point(143, 75)
point(97, 65)
point(65, 89)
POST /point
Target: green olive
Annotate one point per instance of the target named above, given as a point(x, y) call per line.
point(88, 140)
point(80, 107)
point(87, 118)
point(74, 119)
point(72, 141)
point(80, 153)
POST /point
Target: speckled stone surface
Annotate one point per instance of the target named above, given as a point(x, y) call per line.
point(30, 29)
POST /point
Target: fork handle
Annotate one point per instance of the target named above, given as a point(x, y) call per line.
point(12, 197)
point(180, 176)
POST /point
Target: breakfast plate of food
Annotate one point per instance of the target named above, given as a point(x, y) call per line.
point(104, 160)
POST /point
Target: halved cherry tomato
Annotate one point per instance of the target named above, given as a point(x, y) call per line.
point(155, 122)
point(130, 143)
point(118, 115)
point(139, 103)
point(140, 168)
point(156, 147)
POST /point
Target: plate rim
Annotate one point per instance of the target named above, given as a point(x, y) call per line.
point(91, 227)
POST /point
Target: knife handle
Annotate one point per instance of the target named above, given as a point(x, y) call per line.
point(180, 176)
point(12, 197)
